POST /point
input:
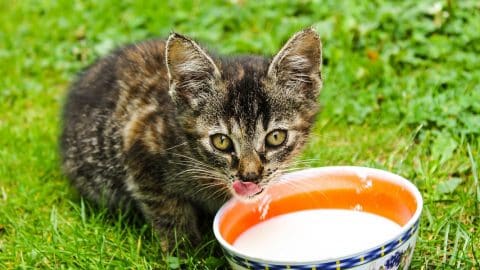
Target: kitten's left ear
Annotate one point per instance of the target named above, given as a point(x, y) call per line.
point(297, 67)
point(190, 70)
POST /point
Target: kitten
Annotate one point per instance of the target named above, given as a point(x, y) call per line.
point(176, 131)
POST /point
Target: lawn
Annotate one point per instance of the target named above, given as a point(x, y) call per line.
point(402, 93)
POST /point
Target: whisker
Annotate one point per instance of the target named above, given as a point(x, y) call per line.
point(193, 159)
point(223, 191)
point(301, 186)
point(194, 162)
point(175, 146)
point(207, 186)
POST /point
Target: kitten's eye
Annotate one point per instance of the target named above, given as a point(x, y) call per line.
point(222, 142)
point(276, 138)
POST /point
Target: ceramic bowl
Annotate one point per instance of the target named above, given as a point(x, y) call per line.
point(371, 190)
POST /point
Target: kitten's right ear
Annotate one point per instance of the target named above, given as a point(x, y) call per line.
point(190, 70)
point(297, 67)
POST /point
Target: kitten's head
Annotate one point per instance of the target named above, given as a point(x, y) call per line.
point(245, 118)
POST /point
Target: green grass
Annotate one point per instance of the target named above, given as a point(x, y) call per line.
point(402, 93)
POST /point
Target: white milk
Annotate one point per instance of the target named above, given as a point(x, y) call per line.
point(315, 235)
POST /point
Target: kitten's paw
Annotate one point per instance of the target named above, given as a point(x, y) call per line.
point(175, 241)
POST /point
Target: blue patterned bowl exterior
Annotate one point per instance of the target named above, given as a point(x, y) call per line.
point(395, 254)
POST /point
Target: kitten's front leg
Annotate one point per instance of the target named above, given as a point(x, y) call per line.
point(174, 219)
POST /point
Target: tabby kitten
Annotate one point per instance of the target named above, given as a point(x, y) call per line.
point(176, 131)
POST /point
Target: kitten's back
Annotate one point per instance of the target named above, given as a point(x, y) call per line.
point(99, 103)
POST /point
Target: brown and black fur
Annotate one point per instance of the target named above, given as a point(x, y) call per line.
point(137, 125)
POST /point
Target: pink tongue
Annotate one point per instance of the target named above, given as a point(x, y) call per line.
point(245, 188)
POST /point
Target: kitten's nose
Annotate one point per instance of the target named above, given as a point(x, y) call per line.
point(250, 169)
point(250, 176)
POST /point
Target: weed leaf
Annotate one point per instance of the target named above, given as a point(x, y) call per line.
point(449, 186)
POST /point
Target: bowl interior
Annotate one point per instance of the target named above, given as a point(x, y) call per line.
point(352, 188)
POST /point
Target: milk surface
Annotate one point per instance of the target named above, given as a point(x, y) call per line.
point(315, 235)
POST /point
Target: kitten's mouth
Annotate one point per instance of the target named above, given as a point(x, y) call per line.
point(246, 189)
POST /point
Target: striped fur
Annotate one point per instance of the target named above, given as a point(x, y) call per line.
point(137, 125)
